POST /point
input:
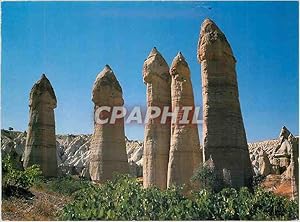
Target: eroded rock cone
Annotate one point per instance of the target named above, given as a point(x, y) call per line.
point(287, 155)
point(108, 151)
point(185, 154)
point(265, 167)
point(157, 134)
point(40, 145)
point(223, 129)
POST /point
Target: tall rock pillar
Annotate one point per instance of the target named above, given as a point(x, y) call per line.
point(185, 154)
point(40, 145)
point(108, 150)
point(223, 129)
point(157, 135)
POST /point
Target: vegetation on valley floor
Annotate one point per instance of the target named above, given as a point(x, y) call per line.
point(124, 198)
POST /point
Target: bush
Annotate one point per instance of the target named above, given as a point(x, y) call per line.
point(66, 185)
point(124, 198)
point(207, 179)
point(12, 175)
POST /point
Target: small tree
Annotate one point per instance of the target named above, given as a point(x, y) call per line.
point(207, 178)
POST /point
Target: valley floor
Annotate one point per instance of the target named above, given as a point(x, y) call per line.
point(43, 206)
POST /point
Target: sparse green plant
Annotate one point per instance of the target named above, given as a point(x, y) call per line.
point(13, 176)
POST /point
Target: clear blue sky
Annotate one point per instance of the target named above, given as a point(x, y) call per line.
point(72, 41)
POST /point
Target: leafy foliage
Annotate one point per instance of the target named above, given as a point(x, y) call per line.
point(208, 179)
point(124, 198)
point(12, 175)
point(66, 185)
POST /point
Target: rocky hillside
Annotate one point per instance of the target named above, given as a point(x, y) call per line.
point(73, 153)
point(265, 148)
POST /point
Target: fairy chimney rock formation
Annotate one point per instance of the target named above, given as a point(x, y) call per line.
point(287, 155)
point(157, 135)
point(108, 149)
point(40, 145)
point(223, 128)
point(185, 154)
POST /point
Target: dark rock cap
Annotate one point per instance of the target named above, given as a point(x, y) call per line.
point(157, 56)
point(107, 77)
point(155, 64)
point(212, 42)
point(41, 86)
point(179, 65)
point(153, 52)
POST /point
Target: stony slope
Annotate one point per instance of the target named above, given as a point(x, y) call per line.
point(73, 151)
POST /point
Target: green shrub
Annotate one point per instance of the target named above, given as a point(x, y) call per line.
point(66, 185)
point(16, 177)
point(230, 204)
point(124, 198)
point(267, 206)
point(207, 179)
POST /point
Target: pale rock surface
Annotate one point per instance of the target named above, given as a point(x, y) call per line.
point(278, 151)
point(288, 154)
point(72, 151)
point(135, 150)
point(268, 146)
point(107, 150)
point(66, 159)
point(12, 141)
point(264, 165)
point(224, 136)
point(157, 135)
point(185, 153)
point(40, 145)
point(75, 155)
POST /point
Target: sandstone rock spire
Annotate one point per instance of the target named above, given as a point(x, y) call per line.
point(108, 151)
point(185, 154)
point(157, 135)
point(223, 129)
point(40, 145)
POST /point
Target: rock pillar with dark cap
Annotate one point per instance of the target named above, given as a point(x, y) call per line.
point(157, 134)
point(40, 145)
point(223, 128)
point(185, 154)
point(108, 149)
